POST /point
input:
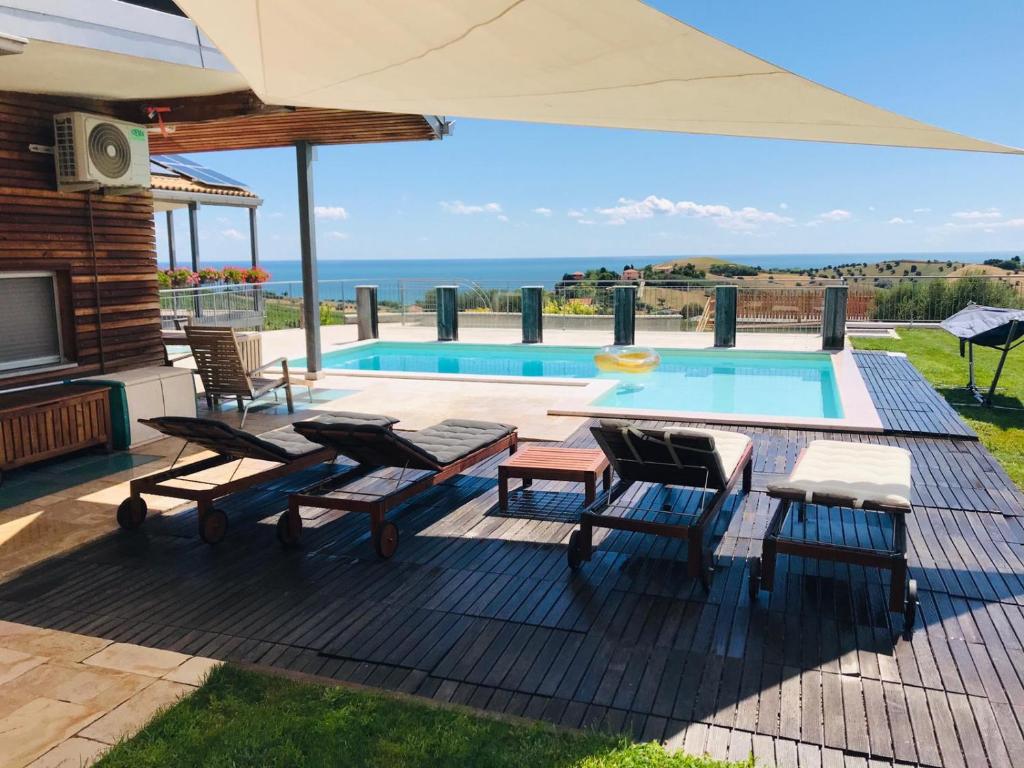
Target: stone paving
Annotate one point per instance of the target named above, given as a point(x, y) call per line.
point(66, 698)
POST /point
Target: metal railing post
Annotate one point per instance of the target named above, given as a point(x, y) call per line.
point(725, 315)
point(532, 310)
point(366, 311)
point(625, 314)
point(447, 313)
point(833, 318)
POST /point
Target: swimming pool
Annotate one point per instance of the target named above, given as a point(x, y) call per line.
point(795, 384)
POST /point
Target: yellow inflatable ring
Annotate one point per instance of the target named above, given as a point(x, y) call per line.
point(630, 359)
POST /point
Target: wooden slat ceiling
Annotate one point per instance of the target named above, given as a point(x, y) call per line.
point(239, 120)
point(281, 129)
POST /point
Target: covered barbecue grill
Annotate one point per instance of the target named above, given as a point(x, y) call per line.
point(994, 327)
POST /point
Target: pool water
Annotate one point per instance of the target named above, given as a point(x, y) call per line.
point(717, 381)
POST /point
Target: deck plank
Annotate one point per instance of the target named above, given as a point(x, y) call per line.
point(478, 607)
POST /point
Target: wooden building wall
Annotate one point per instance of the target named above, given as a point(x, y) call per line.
point(109, 250)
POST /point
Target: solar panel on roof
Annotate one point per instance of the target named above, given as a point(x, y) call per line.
point(186, 166)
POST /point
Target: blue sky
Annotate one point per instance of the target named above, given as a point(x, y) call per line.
point(506, 190)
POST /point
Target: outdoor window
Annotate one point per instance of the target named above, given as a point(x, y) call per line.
point(30, 319)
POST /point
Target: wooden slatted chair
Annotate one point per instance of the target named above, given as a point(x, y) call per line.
point(868, 479)
point(705, 459)
point(420, 460)
point(286, 450)
point(223, 372)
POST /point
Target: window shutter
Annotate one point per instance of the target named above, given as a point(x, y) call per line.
point(29, 328)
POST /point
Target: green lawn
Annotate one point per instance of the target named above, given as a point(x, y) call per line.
point(241, 718)
point(936, 354)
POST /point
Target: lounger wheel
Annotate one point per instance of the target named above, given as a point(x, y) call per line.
point(385, 541)
point(289, 530)
point(213, 526)
point(910, 611)
point(131, 513)
point(574, 553)
point(754, 585)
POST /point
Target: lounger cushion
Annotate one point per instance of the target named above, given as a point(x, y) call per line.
point(453, 439)
point(356, 420)
point(729, 446)
point(280, 445)
point(861, 474)
point(726, 448)
point(289, 442)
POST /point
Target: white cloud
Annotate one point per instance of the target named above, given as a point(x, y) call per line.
point(871, 207)
point(836, 214)
point(232, 234)
point(584, 221)
point(991, 213)
point(502, 217)
point(576, 214)
point(542, 211)
point(922, 210)
point(986, 225)
point(784, 206)
point(722, 215)
point(337, 234)
point(900, 220)
point(335, 212)
point(462, 209)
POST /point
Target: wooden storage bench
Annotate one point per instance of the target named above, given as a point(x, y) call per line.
point(41, 423)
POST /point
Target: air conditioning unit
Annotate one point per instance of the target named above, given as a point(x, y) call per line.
point(98, 152)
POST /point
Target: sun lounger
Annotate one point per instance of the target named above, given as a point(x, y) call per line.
point(712, 460)
point(404, 465)
point(286, 448)
point(863, 477)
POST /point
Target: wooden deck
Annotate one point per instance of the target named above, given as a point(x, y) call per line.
point(478, 607)
point(905, 401)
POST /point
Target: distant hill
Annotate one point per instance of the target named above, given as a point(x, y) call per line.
point(701, 262)
point(854, 272)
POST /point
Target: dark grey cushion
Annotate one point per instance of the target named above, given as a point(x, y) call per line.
point(353, 419)
point(290, 442)
point(280, 445)
point(452, 439)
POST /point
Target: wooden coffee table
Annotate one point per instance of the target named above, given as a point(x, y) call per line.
point(534, 462)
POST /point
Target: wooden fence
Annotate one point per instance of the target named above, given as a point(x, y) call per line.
point(774, 307)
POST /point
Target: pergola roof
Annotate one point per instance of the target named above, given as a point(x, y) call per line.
point(151, 66)
point(611, 63)
point(173, 188)
point(283, 128)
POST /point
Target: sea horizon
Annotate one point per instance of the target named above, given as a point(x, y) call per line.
point(548, 270)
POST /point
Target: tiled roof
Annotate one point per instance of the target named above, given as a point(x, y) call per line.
point(171, 183)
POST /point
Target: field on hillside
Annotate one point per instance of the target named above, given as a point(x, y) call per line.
point(860, 272)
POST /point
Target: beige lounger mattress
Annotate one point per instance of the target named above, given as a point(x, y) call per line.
point(873, 475)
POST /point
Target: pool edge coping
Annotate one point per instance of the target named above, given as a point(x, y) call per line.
point(859, 411)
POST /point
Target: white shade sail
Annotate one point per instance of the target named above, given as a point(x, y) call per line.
point(607, 63)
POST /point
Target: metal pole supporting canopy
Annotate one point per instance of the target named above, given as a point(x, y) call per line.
point(994, 327)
